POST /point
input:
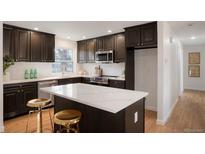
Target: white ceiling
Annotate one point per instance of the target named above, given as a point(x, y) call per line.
point(77, 29)
point(184, 31)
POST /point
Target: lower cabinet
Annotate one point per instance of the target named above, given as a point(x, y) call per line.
point(117, 84)
point(69, 81)
point(16, 97)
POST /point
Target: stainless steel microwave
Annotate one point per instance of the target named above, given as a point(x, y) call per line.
point(104, 56)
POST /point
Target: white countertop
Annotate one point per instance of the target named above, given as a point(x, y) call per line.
point(104, 98)
point(53, 78)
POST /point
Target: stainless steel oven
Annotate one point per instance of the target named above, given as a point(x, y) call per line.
point(104, 56)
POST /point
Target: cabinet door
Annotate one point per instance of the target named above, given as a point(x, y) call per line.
point(120, 50)
point(90, 50)
point(132, 37)
point(108, 43)
point(82, 52)
point(149, 35)
point(22, 45)
point(12, 101)
point(28, 91)
point(8, 41)
point(69, 81)
point(37, 47)
point(49, 47)
point(99, 44)
point(117, 84)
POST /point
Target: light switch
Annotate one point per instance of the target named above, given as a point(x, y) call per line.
point(136, 117)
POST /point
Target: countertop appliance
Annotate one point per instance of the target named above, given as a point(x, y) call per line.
point(104, 56)
point(44, 84)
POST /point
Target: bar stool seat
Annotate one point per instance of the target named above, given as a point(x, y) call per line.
point(69, 119)
point(39, 104)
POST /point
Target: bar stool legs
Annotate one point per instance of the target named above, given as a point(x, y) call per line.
point(39, 120)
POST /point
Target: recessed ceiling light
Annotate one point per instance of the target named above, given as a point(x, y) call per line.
point(68, 37)
point(84, 37)
point(36, 28)
point(193, 38)
point(109, 31)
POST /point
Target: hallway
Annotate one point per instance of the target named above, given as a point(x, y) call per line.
point(188, 115)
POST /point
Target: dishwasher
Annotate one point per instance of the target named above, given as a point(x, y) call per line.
point(41, 94)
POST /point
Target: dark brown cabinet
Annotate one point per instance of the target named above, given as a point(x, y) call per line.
point(81, 52)
point(37, 48)
point(99, 44)
point(149, 35)
point(117, 84)
point(115, 42)
point(69, 81)
point(120, 49)
point(12, 101)
point(108, 42)
point(49, 46)
point(8, 41)
point(22, 45)
point(27, 45)
point(142, 36)
point(90, 50)
point(132, 36)
point(16, 97)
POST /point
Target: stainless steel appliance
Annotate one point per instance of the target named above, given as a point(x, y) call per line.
point(99, 80)
point(44, 84)
point(104, 56)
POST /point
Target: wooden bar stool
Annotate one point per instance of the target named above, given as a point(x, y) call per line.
point(38, 105)
point(69, 119)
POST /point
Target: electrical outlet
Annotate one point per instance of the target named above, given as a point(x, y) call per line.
point(136, 117)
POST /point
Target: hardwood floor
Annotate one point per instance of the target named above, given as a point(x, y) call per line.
point(188, 116)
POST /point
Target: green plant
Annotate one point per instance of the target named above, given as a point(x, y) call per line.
point(7, 62)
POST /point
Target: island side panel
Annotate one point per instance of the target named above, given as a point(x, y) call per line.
point(134, 117)
point(93, 120)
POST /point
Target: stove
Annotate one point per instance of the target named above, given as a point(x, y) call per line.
point(102, 80)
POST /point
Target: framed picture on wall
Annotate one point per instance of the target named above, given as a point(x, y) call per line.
point(194, 58)
point(194, 71)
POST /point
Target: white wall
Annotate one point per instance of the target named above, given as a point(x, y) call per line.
point(146, 75)
point(115, 69)
point(196, 83)
point(169, 71)
point(44, 69)
point(1, 77)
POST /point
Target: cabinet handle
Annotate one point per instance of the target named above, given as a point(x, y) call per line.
point(18, 91)
point(142, 44)
point(22, 90)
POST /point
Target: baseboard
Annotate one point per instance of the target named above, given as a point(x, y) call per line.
point(152, 108)
point(163, 122)
point(1, 129)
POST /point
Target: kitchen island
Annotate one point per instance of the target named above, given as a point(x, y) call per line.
point(104, 109)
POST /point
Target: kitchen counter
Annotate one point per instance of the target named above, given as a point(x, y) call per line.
point(104, 98)
point(104, 109)
point(54, 78)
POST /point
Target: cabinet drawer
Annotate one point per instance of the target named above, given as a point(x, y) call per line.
point(69, 81)
point(117, 84)
point(86, 80)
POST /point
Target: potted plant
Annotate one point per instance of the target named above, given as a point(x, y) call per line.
point(7, 62)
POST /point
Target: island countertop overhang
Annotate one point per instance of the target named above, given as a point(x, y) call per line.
point(105, 98)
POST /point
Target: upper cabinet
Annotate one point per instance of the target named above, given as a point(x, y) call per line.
point(115, 42)
point(142, 36)
point(22, 45)
point(27, 45)
point(37, 42)
point(49, 48)
point(90, 50)
point(120, 49)
point(108, 42)
point(8, 41)
point(81, 52)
